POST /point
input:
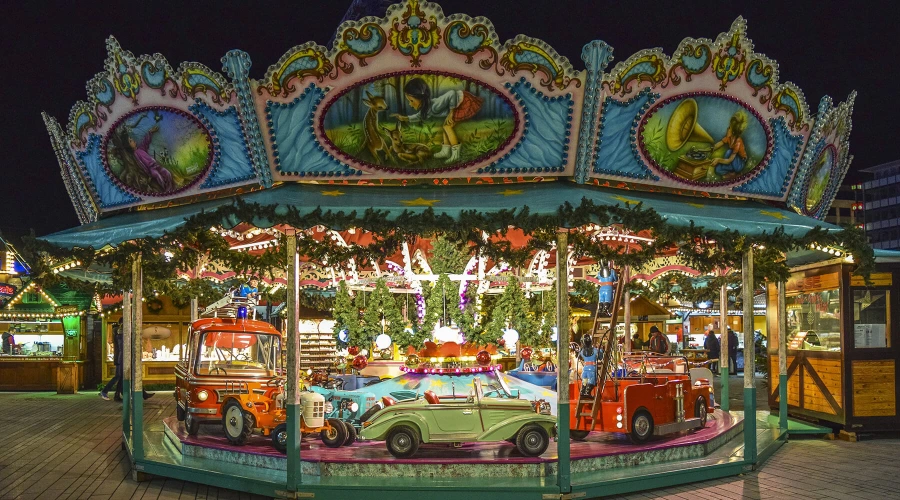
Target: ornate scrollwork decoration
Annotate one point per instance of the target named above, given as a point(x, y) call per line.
point(649, 67)
point(362, 43)
point(126, 78)
point(760, 75)
point(730, 62)
point(693, 60)
point(468, 41)
point(531, 57)
point(788, 100)
point(157, 74)
point(196, 79)
point(303, 61)
point(413, 34)
point(82, 118)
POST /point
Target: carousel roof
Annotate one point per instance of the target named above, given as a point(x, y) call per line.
point(745, 216)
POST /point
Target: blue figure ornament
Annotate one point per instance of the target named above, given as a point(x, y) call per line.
point(250, 290)
point(607, 278)
point(589, 357)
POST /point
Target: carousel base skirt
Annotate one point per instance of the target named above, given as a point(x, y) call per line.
point(599, 451)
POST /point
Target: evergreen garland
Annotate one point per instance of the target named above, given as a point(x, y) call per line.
point(345, 313)
point(464, 316)
point(380, 304)
point(511, 311)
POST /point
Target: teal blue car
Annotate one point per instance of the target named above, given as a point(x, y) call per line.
point(430, 419)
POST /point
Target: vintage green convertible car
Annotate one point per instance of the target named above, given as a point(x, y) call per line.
point(403, 425)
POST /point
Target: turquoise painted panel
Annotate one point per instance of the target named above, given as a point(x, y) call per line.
point(232, 155)
point(291, 133)
point(617, 152)
point(775, 178)
point(110, 194)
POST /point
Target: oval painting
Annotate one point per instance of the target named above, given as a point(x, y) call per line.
point(419, 122)
point(704, 139)
point(158, 151)
point(819, 178)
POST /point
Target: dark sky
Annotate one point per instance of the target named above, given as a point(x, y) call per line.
point(51, 49)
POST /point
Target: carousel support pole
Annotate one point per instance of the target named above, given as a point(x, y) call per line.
point(563, 478)
point(749, 360)
point(126, 358)
point(292, 344)
point(724, 369)
point(626, 277)
point(195, 301)
point(137, 392)
point(782, 359)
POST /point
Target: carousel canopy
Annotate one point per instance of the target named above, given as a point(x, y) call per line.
point(747, 217)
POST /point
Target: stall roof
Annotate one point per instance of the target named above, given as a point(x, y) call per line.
point(748, 217)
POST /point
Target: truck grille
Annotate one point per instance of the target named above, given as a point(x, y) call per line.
point(370, 402)
point(319, 409)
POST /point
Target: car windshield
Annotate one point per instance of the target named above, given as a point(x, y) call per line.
point(243, 353)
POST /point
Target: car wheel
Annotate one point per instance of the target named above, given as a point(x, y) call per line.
point(238, 424)
point(641, 426)
point(402, 441)
point(351, 433)
point(700, 411)
point(371, 411)
point(191, 424)
point(279, 438)
point(532, 440)
point(336, 435)
point(578, 435)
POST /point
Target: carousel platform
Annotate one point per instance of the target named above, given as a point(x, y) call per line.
point(599, 451)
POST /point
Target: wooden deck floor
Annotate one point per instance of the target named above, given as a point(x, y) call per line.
point(68, 447)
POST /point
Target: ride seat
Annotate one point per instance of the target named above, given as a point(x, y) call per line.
point(388, 401)
point(432, 398)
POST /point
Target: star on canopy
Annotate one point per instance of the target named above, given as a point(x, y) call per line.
point(419, 202)
point(336, 192)
point(627, 201)
point(772, 213)
point(511, 192)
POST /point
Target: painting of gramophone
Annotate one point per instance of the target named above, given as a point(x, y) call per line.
point(678, 137)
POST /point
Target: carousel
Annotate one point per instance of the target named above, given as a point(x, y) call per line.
point(445, 200)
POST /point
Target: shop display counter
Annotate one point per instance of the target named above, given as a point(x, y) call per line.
point(40, 373)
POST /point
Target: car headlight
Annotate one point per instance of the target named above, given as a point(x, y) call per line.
point(354, 407)
point(329, 407)
point(202, 395)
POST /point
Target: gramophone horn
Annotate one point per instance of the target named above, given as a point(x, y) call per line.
point(683, 126)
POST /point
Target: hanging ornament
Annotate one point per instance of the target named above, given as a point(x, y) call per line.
point(483, 358)
point(526, 353)
point(353, 350)
point(360, 362)
point(412, 360)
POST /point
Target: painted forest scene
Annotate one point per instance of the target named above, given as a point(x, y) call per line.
point(158, 152)
point(419, 122)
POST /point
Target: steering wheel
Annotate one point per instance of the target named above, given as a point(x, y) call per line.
point(242, 356)
point(275, 382)
point(217, 370)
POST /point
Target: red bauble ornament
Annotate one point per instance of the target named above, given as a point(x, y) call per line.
point(483, 358)
point(501, 342)
point(353, 350)
point(526, 353)
point(360, 362)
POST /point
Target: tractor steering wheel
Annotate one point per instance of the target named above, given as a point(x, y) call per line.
point(216, 370)
point(275, 382)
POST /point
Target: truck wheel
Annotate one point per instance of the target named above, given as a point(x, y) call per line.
point(238, 424)
point(179, 412)
point(402, 441)
point(578, 435)
point(641, 426)
point(532, 440)
point(279, 438)
point(335, 436)
point(700, 411)
point(351, 433)
point(191, 424)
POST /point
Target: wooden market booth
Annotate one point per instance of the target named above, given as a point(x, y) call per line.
point(843, 344)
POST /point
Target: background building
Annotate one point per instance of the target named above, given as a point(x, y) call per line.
point(882, 205)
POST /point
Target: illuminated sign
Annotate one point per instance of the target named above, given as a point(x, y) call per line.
point(67, 310)
point(7, 290)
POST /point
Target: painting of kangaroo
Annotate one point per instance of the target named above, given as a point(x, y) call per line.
point(410, 153)
point(374, 141)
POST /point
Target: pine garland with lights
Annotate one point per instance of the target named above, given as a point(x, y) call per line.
point(379, 305)
point(512, 311)
point(345, 313)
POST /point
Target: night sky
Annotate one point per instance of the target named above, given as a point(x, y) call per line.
point(51, 49)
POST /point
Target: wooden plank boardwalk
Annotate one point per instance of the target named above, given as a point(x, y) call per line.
point(68, 447)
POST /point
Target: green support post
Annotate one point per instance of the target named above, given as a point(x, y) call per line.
point(563, 476)
point(137, 394)
point(749, 361)
point(292, 344)
point(724, 369)
point(782, 360)
point(126, 357)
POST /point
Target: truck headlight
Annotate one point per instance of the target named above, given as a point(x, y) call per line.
point(354, 407)
point(202, 395)
point(329, 407)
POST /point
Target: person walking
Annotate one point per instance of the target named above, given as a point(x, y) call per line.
point(658, 342)
point(116, 381)
point(714, 350)
point(732, 351)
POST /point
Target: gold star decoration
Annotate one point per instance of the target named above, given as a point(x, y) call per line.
point(336, 192)
point(625, 200)
point(772, 213)
point(436, 383)
point(697, 205)
point(419, 202)
point(511, 192)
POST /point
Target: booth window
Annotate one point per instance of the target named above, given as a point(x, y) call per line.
point(871, 318)
point(814, 321)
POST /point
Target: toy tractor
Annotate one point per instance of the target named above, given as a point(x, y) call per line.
point(263, 409)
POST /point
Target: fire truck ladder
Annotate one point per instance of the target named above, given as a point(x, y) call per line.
point(607, 365)
point(227, 307)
